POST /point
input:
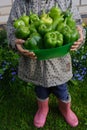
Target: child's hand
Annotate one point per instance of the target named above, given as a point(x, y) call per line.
point(19, 43)
point(76, 44)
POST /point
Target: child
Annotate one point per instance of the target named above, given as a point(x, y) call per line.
point(49, 76)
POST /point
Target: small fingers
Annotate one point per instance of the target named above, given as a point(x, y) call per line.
point(32, 55)
point(19, 41)
point(25, 52)
point(29, 54)
point(75, 46)
point(80, 40)
point(79, 28)
point(19, 47)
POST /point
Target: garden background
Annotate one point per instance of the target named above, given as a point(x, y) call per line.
point(17, 98)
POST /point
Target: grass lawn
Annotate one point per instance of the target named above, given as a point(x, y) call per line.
point(18, 106)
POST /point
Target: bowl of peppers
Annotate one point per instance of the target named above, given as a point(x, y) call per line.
point(48, 35)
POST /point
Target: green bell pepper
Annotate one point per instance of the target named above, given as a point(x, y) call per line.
point(53, 39)
point(75, 35)
point(34, 19)
point(66, 31)
point(70, 22)
point(46, 19)
point(61, 26)
point(55, 12)
point(25, 18)
point(17, 23)
point(66, 13)
point(69, 35)
point(32, 28)
point(22, 32)
point(57, 21)
point(34, 42)
point(42, 29)
point(59, 39)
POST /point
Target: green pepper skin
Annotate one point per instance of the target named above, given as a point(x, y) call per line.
point(55, 12)
point(69, 35)
point(57, 21)
point(61, 26)
point(70, 22)
point(75, 35)
point(34, 42)
point(46, 19)
point(25, 18)
point(66, 13)
point(42, 29)
point(34, 19)
point(50, 40)
point(53, 39)
point(59, 39)
point(22, 32)
point(17, 23)
point(32, 28)
point(67, 32)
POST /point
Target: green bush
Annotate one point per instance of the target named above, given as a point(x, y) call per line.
point(9, 66)
point(79, 62)
point(8, 60)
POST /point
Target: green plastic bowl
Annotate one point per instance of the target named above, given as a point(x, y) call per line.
point(44, 54)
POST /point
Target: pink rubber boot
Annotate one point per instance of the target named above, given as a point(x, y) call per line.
point(68, 114)
point(41, 114)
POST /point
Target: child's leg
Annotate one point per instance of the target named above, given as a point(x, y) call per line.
point(63, 95)
point(43, 108)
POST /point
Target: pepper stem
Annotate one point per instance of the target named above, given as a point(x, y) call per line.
point(56, 5)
